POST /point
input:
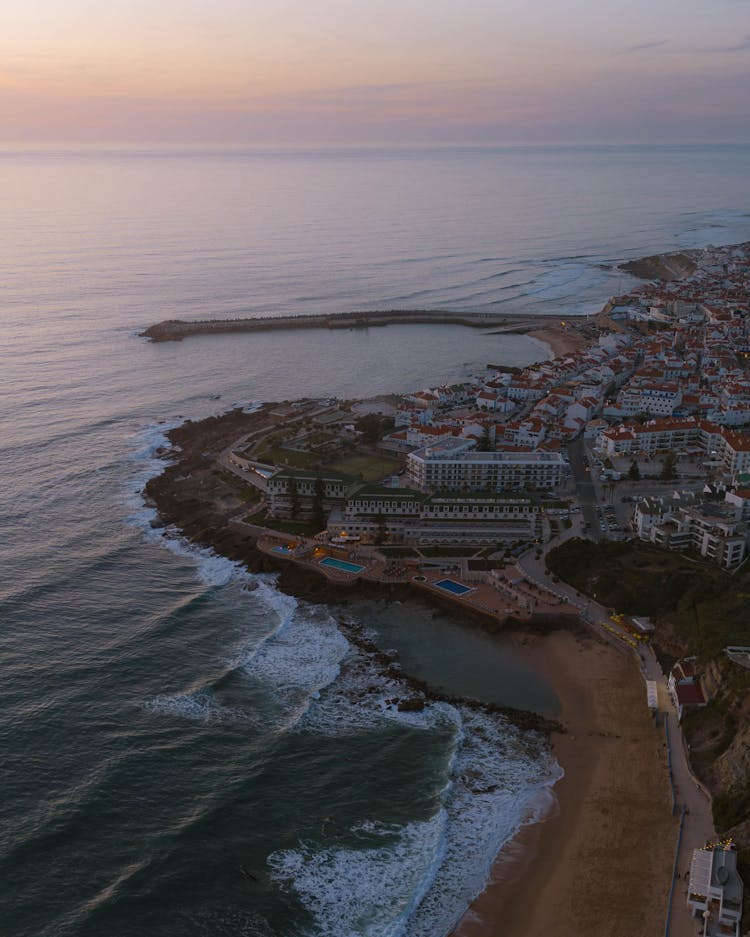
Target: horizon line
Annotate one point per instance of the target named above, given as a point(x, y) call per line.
point(124, 145)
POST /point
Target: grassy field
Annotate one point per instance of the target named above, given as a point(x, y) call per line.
point(703, 605)
point(290, 458)
point(371, 468)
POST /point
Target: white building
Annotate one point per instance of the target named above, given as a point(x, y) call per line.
point(654, 399)
point(715, 890)
point(292, 493)
point(451, 466)
point(711, 529)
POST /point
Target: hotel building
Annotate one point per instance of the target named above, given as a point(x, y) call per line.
point(452, 466)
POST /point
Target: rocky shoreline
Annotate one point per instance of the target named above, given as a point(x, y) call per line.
point(198, 501)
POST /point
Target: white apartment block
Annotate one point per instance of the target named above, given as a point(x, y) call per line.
point(656, 400)
point(712, 530)
point(452, 467)
point(721, 444)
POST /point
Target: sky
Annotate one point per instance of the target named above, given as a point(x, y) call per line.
point(419, 72)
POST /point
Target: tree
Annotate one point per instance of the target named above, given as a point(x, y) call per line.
point(318, 519)
point(374, 425)
point(485, 443)
point(382, 533)
point(634, 473)
point(668, 468)
point(293, 497)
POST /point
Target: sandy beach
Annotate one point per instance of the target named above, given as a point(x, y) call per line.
point(559, 339)
point(601, 862)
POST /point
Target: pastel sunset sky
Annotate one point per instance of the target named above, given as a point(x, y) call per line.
point(391, 71)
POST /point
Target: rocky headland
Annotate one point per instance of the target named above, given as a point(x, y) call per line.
point(673, 266)
point(198, 500)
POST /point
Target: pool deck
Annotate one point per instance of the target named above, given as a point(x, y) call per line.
point(509, 594)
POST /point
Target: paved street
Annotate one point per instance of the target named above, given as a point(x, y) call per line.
point(585, 488)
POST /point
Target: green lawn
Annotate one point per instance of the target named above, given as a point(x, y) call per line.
point(371, 468)
point(290, 458)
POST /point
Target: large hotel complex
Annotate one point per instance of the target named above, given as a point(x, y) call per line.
point(453, 466)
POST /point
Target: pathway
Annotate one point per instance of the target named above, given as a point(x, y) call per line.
point(698, 827)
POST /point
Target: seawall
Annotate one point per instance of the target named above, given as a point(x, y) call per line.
point(174, 330)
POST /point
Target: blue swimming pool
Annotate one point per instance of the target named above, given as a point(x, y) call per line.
point(456, 588)
point(341, 564)
point(279, 549)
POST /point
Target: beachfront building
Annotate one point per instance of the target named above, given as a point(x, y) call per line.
point(685, 686)
point(452, 466)
point(403, 515)
point(292, 493)
point(715, 890)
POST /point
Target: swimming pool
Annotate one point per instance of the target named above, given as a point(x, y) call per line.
point(341, 564)
point(279, 549)
point(456, 588)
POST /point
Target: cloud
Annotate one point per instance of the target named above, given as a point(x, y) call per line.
point(653, 44)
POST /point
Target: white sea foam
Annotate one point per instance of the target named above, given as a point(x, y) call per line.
point(422, 877)
point(199, 707)
point(213, 569)
point(371, 891)
point(496, 779)
point(500, 780)
point(304, 656)
point(416, 879)
point(363, 701)
point(303, 649)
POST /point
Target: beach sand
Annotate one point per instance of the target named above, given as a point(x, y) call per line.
point(602, 862)
point(560, 340)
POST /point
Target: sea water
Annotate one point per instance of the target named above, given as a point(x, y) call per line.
point(182, 755)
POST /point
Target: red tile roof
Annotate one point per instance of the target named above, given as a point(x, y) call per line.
point(689, 694)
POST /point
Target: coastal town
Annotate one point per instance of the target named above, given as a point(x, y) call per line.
point(633, 441)
point(658, 406)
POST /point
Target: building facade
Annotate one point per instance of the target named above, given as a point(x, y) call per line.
point(406, 516)
point(452, 467)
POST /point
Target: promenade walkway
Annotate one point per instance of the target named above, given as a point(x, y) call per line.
point(698, 825)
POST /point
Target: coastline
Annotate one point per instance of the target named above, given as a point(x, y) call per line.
point(601, 860)
point(559, 340)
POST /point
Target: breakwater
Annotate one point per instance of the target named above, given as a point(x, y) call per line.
point(174, 330)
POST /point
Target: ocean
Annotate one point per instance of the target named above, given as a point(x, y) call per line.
point(187, 750)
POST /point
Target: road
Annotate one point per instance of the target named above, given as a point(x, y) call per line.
point(585, 488)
